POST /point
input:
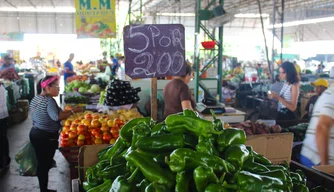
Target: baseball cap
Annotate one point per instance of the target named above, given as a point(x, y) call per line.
point(320, 82)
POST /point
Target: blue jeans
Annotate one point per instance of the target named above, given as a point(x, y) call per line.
point(306, 161)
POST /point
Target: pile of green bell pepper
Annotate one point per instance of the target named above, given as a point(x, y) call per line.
point(186, 153)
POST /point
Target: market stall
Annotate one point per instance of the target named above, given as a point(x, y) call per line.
point(212, 159)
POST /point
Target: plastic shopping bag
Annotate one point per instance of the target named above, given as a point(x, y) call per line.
point(26, 158)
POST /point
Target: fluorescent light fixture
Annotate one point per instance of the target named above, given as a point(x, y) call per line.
point(177, 14)
point(39, 9)
point(250, 15)
point(302, 22)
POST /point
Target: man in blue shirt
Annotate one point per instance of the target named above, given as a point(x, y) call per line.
point(114, 65)
point(8, 64)
point(68, 68)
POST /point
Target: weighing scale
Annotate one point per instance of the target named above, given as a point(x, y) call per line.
point(218, 108)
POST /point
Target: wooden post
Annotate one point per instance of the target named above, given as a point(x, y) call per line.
point(154, 102)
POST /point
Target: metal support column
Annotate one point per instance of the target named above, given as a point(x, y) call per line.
point(282, 29)
point(220, 61)
point(196, 51)
point(217, 54)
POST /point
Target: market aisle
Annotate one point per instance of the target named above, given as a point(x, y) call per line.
point(13, 182)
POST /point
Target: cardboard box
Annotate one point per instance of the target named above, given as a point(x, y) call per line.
point(87, 158)
point(328, 169)
point(276, 147)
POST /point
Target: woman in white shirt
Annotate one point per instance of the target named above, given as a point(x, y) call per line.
point(288, 96)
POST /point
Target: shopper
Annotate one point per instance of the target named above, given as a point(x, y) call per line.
point(320, 86)
point(288, 96)
point(114, 65)
point(177, 95)
point(238, 70)
point(68, 67)
point(7, 64)
point(46, 117)
point(318, 145)
point(4, 147)
point(320, 69)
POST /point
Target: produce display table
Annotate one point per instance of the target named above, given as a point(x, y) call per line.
point(71, 155)
point(236, 117)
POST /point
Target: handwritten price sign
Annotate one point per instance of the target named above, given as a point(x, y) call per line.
point(154, 50)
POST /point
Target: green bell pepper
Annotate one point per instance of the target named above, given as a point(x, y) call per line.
point(160, 158)
point(151, 169)
point(204, 175)
point(249, 182)
point(101, 153)
point(230, 137)
point(219, 125)
point(183, 179)
point(142, 185)
point(296, 178)
point(105, 186)
point(123, 183)
point(213, 187)
point(206, 145)
point(277, 167)
point(139, 131)
point(185, 159)
point(279, 174)
point(127, 130)
point(112, 171)
point(253, 167)
point(117, 148)
point(159, 129)
point(165, 143)
point(190, 113)
point(86, 186)
point(301, 174)
point(236, 154)
point(257, 157)
point(92, 173)
point(119, 159)
point(195, 125)
point(301, 188)
point(156, 187)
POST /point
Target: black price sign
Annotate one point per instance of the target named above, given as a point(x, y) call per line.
point(154, 50)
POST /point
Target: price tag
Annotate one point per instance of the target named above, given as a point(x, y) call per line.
point(153, 51)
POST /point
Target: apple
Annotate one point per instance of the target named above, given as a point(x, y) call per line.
point(77, 121)
point(107, 137)
point(86, 122)
point(110, 123)
point(81, 137)
point(72, 135)
point(102, 120)
point(98, 141)
point(98, 136)
point(80, 142)
point(104, 128)
point(73, 127)
point(81, 128)
point(112, 141)
point(68, 123)
point(95, 123)
point(66, 128)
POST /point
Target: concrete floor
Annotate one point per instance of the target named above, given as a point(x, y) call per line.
point(59, 177)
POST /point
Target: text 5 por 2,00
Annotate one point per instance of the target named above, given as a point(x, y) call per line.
point(154, 50)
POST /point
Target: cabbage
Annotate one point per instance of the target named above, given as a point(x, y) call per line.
point(82, 90)
point(95, 88)
point(76, 83)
